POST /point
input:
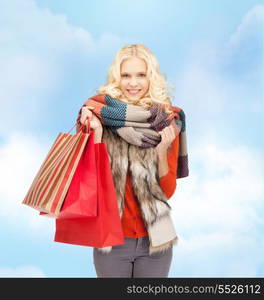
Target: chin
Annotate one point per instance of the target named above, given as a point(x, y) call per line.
point(134, 98)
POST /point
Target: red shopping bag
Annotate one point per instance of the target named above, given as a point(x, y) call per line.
point(81, 198)
point(105, 229)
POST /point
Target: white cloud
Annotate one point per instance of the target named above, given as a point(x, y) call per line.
point(251, 24)
point(244, 50)
point(208, 91)
point(20, 159)
point(42, 30)
point(218, 255)
point(23, 271)
point(39, 49)
point(225, 186)
point(219, 78)
point(217, 214)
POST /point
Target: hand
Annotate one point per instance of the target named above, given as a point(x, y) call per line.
point(95, 122)
point(168, 134)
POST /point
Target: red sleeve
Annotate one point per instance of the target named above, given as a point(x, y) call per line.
point(168, 182)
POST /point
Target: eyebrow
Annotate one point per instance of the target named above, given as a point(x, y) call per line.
point(124, 73)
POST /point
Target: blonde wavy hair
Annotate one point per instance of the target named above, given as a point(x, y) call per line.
point(158, 87)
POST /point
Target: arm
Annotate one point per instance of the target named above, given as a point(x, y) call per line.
point(167, 151)
point(98, 132)
point(168, 169)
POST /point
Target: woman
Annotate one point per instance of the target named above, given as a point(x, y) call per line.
point(133, 115)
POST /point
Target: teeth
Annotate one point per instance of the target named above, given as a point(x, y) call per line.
point(133, 91)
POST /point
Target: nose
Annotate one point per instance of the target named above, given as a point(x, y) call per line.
point(133, 82)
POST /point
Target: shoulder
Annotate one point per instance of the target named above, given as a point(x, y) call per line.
point(96, 99)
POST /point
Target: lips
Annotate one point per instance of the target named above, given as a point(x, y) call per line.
point(133, 91)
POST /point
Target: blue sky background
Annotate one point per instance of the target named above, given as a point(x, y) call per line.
point(53, 56)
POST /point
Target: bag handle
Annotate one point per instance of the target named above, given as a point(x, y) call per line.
point(87, 126)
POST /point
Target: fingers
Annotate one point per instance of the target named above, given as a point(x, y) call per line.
point(85, 113)
point(168, 134)
point(89, 107)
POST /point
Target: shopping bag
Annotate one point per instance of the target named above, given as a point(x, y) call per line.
point(81, 198)
point(49, 187)
point(105, 229)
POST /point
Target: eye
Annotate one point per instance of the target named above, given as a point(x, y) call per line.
point(142, 75)
point(125, 75)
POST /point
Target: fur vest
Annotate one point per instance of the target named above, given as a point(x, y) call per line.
point(143, 165)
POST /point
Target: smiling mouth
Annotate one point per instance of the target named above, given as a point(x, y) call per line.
point(133, 91)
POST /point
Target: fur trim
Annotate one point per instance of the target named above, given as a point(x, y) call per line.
point(163, 247)
point(142, 163)
point(105, 249)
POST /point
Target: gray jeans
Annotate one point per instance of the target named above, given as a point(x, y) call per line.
point(132, 260)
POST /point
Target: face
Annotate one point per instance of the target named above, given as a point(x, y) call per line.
point(134, 82)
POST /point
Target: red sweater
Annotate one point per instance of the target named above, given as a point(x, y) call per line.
point(132, 221)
